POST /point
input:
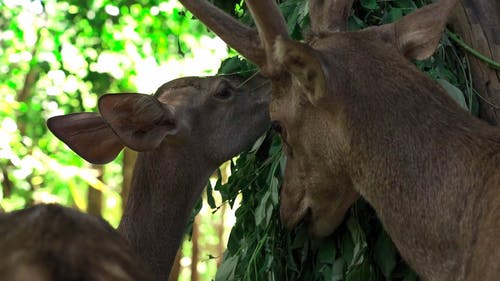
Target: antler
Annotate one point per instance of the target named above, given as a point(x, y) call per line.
point(242, 38)
point(271, 25)
point(329, 15)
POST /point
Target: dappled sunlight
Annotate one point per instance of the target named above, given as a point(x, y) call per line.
point(204, 59)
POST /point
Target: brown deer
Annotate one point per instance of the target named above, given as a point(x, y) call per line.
point(183, 133)
point(357, 117)
point(51, 242)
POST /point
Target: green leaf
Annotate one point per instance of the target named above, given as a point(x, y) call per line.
point(338, 269)
point(274, 191)
point(300, 239)
point(411, 277)
point(210, 197)
point(227, 268)
point(261, 211)
point(407, 5)
point(358, 238)
point(327, 252)
point(346, 247)
point(360, 272)
point(237, 65)
point(454, 92)
point(369, 4)
point(355, 23)
point(257, 144)
point(395, 14)
point(385, 254)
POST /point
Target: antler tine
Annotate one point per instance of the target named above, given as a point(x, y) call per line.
point(329, 15)
point(242, 38)
point(271, 25)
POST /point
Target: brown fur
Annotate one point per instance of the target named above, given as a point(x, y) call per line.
point(184, 132)
point(357, 117)
point(424, 164)
point(51, 242)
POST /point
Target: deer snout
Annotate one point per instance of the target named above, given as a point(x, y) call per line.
point(292, 208)
point(328, 214)
point(290, 218)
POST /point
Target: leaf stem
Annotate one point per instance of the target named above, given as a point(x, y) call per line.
point(490, 62)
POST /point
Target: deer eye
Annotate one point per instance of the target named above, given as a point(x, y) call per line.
point(223, 94)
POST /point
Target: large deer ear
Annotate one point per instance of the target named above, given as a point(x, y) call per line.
point(88, 135)
point(303, 63)
point(140, 121)
point(417, 35)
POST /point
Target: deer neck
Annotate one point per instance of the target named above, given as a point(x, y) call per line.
point(421, 170)
point(165, 187)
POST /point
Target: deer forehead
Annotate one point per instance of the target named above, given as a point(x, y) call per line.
point(185, 96)
point(290, 104)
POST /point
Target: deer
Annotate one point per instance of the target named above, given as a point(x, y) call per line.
point(358, 119)
point(182, 133)
point(51, 242)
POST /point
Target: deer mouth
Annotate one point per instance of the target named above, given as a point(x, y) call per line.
point(304, 218)
point(291, 217)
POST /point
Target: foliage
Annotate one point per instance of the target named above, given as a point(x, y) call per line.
point(259, 248)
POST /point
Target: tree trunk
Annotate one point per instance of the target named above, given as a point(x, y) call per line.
point(7, 185)
point(220, 231)
point(478, 23)
point(176, 267)
point(194, 253)
point(94, 206)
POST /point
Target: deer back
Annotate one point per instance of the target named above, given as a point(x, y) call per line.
point(51, 242)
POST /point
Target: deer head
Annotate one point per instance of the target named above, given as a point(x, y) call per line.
point(222, 115)
point(317, 83)
point(51, 242)
point(183, 133)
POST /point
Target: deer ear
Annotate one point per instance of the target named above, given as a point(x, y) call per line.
point(140, 121)
point(417, 35)
point(303, 63)
point(88, 135)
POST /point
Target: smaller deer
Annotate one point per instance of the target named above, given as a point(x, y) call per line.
point(358, 118)
point(51, 242)
point(183, 133)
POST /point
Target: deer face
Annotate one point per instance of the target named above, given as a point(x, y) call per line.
point(316, 188)
point(225, 114)
point(312, 191)
point(213, 118)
